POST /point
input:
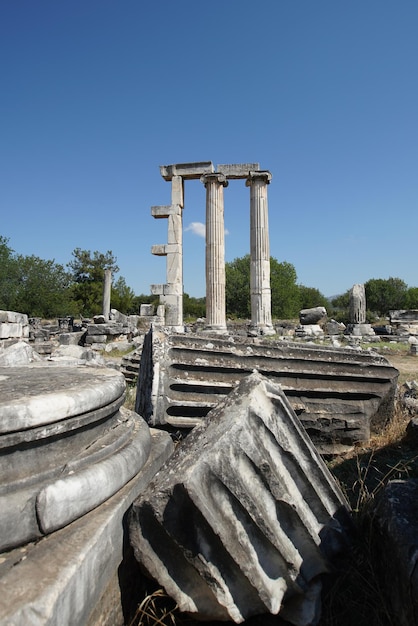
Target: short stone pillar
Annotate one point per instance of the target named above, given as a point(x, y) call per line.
point(260, 254)
point(358, 325)
point(358, 304)
point(107, 286)
point(215, 252)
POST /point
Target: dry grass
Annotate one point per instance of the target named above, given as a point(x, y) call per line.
point(130, 396)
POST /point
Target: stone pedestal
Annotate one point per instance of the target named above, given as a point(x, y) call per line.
point(215, 252)
point(260, 254)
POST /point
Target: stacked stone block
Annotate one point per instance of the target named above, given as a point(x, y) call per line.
point(13, 325)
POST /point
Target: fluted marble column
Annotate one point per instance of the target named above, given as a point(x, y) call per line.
point(215, 251)
point(260, 253)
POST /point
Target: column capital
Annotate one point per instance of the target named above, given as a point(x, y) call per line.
point(264, 176)
point(216, 177)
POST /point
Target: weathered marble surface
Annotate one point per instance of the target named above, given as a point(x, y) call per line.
point(42, 394)
point(66, 445)
point(60, 579)
point(244, 517)
point(340, 395)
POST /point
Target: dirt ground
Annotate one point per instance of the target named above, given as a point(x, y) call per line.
point(406, 364)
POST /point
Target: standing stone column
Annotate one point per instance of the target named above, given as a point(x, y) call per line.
point(260, 254)
point(215, 252)
point(171, 293)
point(358, 304)
point(107, 285)
point(358, 325)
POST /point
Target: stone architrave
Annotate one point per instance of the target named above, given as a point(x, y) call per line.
point(245, 516)
point(260, 253)
point(358, 304)
point(107, 284)
point(215, 251)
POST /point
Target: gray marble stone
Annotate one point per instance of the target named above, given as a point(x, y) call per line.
point(39, 394)
point(61, 578)
point(66, 446)
point(244, 517)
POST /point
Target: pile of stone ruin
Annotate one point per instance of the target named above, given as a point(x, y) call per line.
point(241, 519)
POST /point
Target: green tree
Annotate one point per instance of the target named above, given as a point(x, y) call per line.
point(342, 301)
point(43, 288)
point(237, 289)
point(87, 270)
point(311, 297)
point(411, 298)
point(9, 279)
point(382, 295)
point(31, 285)
point(122, 297)
point(285, 295)
point(193, 307)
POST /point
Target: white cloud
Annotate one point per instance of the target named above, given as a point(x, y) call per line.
point(199, 229)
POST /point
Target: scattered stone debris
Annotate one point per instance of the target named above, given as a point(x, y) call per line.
point(244, 518)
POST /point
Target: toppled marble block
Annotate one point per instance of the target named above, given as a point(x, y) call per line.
point(340, 395)
point(20, 353)
point(312, 316)
point(244, 517)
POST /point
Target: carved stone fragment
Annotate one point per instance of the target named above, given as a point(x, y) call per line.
point(340, 395)
point(244, 517)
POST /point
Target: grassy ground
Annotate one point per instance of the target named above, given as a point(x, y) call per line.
point(352, 595)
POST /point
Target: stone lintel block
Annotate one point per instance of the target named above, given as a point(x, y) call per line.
point(13, 317)
point(159, 249)
point(162, 249)
point(188, 171)
point(9, 330)
point(245, 516)
point(173, 289)
point(71, 339)
point(177, 191)
point(111, 328)
point(157, 290)
point(146, 310)
point(98, 347)
point(166, 210)
point(237, 170)
point(90, 339)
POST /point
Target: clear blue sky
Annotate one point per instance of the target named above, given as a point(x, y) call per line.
point(97, 94)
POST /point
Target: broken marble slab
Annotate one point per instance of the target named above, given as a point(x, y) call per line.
point(244, 517)
point(340, 395)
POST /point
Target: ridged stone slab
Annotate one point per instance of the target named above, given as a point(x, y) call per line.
point(244, 517)
point(34, 395)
